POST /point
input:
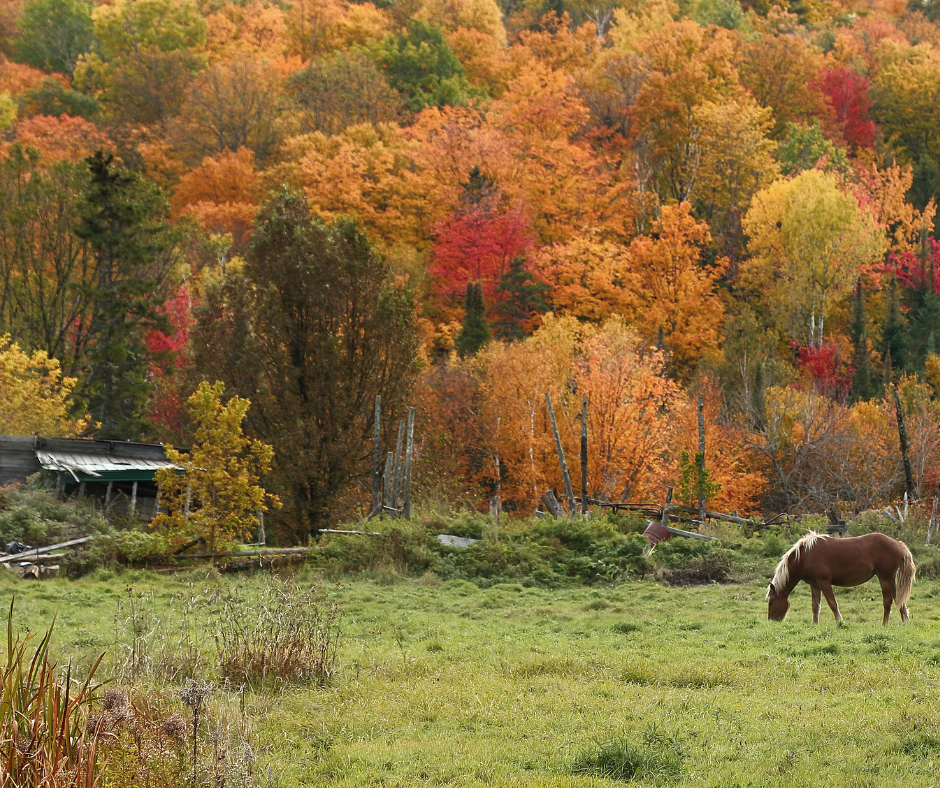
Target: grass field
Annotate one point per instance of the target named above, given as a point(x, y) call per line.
point(444, 683)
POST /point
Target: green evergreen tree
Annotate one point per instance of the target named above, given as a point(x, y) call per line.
point(926, 183)
point(923, 314)
point(524, 299)
point(124, 221)
point(475, 331)
point(893, 345)
point(863, 383)
point(477, 187)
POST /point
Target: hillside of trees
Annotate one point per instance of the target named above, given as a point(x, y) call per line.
point(463, 205)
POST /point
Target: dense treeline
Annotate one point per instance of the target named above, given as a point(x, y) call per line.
point(467, 204)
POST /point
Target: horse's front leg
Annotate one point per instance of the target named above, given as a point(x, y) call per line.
point(826, 589)
point(816, 601)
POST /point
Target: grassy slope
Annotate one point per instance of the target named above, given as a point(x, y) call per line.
point(444, 683)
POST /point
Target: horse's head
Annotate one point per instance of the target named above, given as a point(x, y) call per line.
point(777, 605)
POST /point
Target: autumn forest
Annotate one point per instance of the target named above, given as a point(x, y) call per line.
point(465, 205)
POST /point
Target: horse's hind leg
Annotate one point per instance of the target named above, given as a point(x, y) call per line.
point(826, 589)
point(816, 601)
point(887, 595)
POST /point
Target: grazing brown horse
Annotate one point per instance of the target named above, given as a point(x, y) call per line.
point(824, 562)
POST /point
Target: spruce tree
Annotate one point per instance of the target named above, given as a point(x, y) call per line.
point(123, 220)
point(475, 331)
point(894, 342)
point(524, 299)
point(863, 384)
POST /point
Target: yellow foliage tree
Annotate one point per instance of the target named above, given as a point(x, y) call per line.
point(809, 242)
point(216, 493)
point(482, 15)
point(34, 395)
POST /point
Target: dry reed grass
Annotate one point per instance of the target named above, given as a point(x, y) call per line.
point(290, 634)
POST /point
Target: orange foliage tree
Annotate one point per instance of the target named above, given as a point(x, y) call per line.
point(222, 194)
point(672, 291)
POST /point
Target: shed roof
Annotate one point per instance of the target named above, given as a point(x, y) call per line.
point(84, 466)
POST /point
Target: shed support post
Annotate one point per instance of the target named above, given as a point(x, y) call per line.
point(133, 498)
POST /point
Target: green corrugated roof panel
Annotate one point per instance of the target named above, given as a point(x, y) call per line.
point(99, 467)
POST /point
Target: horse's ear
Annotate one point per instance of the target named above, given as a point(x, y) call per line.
point(771, 590)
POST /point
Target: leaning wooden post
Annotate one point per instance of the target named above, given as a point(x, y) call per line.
point(701, 458)
point(572, 507)
point(666, 507)
point(377, 457)
point(552, 505)
point(584, 456)
point(902, 436)
point(387, 486)
point(933, 521)
point(399, 466)
point(408, 452)
point(133, 498)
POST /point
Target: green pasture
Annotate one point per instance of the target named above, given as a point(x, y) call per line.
point(445, 683)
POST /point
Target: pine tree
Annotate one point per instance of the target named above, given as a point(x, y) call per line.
point(123, 219)
point(863, 384)
point(894, 341)
point(524, 300)
point(475, 331)
point(477, 187)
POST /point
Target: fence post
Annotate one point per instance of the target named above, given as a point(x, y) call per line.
point(377, 456)
point(408, 452)
point(399, 466)
point(584, 455)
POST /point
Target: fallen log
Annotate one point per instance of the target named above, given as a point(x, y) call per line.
point(250, 553)
point(25, 556)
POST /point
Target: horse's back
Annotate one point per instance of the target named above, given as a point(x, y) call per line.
point(853, 560)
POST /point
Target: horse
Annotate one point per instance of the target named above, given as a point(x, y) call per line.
point(823, 562)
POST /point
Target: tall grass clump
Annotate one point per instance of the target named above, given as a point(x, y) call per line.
point(291, 634)
point(45, 738)
point(660, 757)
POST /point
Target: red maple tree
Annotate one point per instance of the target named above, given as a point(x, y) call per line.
point(478, 243)
point(846, 92)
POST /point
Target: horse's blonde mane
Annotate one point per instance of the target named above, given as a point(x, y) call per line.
point(782, 572)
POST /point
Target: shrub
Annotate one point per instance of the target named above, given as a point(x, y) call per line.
point(291, 634)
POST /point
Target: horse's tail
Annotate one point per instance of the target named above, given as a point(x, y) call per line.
point(905, 577)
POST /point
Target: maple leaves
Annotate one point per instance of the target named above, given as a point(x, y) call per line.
point(478, 244)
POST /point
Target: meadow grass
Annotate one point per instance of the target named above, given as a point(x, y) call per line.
point(445, 683)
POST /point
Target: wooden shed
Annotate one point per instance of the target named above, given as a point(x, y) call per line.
point(116, 472)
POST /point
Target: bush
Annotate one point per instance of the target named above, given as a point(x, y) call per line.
point(31, 513)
